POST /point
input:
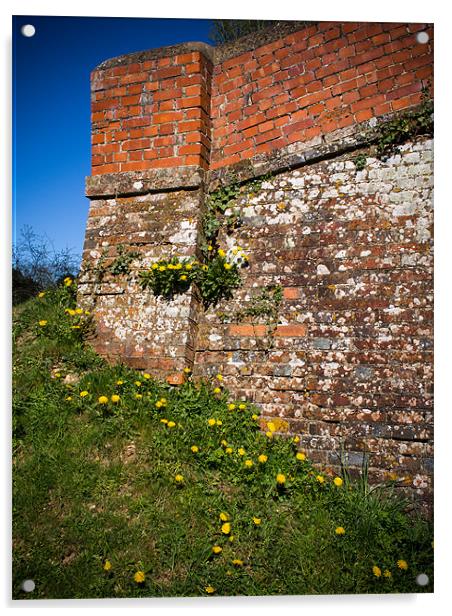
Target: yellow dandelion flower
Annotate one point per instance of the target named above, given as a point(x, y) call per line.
point(226, 528)
point(338, 481)
point(194, 448)
point(42, 323)
point(219, 377)
point(211, 421)
point(224, 443)
point(83, 394)
point(119, 382)
point(163, 401)
point(154, 266)
point(139, 577)
point(387, 574)
point(254, 417)
point(249, 463)
point(217, 390)
point(102, 400)
point(171, 424)
point(162, 268)
point(237, 562)
point(224, 517)
point(68, 397)
point(187, 370)
point(209, 590)
point(179, 478)
point(231, 538)
point(146, 376)
point(183, 278)
point(228, 450)
point(227, 266)
point(269, 434)
point(158, 404)
point(231, 407)
point(376, 571)
point(219, 422)
point(242, 406)
point(178, 266)
point(164, 421)
point(300, 456)
point(241, 451)
point(75, 326)
point(138, 383)
point(402, 564)
point(280, 479)
point(340, 530)
point(257, 521)
point(78, 311)
point(67, 282)
point(296, 439)
point(209, 248)
point(216, 549)
point(138, 396)
point(188, 267)
point(271, 426)
point(41, 294)
point(107, 565)
point(221, 253)
point(115, 398)
point(320, 479)
point(262, 458)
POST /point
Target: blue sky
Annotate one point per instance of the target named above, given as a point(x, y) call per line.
point(51, 110)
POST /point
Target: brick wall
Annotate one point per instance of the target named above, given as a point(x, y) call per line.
point(151, 114)
point(349, 360)
point(312, 82)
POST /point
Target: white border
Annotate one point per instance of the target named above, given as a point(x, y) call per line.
point(327, 10)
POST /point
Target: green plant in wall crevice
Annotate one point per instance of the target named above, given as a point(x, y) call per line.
point(215, 280)
point(389, 134)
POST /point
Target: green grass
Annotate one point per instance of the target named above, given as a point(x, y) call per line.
point(95, 482)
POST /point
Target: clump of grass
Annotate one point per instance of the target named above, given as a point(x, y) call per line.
point(134, 488)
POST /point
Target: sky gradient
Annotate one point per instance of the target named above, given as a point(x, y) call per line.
point(51, 111)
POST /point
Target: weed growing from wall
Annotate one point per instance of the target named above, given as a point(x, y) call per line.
point(215, 279)
point(388, 135)
point(217, 204)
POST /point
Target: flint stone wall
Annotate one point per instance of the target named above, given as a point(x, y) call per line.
point(348, 362)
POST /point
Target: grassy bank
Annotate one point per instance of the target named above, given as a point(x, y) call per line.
point(127, 487)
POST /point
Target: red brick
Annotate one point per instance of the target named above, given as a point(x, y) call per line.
point(266, 126)
point(291, 293)
point(291, 331)
point(248, 330)
point(135, 144)
point(165, 73)
point(112, 168)
point(361, 116)
point(168, 93)
point(135, 166)
point(169, 116)
point(194, 148)
point(190, 101)
point(133, 78)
